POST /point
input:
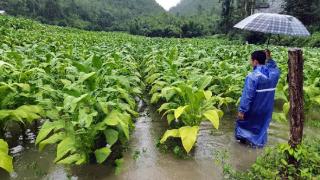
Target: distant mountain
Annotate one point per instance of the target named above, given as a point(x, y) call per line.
point(196, 7)
point(87, 14)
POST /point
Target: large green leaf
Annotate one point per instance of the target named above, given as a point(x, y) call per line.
point(169, 133)
point(25, 112)
point(4, 114)
point(67, 145)
point(207, 94)
point(280, 117)
point(286, 108)
point(51, 140)
point(102, 154)
point(170, 92)
point(155, 98)
point(71, 102)
point(188, 136)
point(5, 64)
point(213, 116)
point(111, 136)
point(204, 82)
point(121, 120)
point(317, 99)
point(119, 164)
point(124, 126)
point(6, 162)
point(179, 111)
point(152, 78)
point(84, 77)
point(86, 119)
point(164, 106)
point(5, 159)
point(70, 159)
point(4, 146)
point(113, 118)
point(24, 87)
point(47, 128)
point(170, 118)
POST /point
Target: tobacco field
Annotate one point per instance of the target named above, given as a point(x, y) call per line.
point(81, 89)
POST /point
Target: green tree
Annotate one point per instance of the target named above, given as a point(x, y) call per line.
point(52, 10)
point(305, 10)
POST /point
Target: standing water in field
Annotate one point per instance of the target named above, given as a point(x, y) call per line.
point(143, 160)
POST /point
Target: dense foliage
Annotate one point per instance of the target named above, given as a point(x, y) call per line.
point(84, 85)
point(273, 163)
point(75, 81)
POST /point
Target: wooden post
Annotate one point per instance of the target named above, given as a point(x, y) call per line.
point(295, 78)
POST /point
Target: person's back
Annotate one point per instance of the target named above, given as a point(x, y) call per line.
point(256, 105)
point(273, 68)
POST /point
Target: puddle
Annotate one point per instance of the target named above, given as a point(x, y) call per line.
point(143, 160)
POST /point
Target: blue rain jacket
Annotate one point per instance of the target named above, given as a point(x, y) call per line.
point(256, 103)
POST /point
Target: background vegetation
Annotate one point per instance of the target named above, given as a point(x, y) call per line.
point(190, 18)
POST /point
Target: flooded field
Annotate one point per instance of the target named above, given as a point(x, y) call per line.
point(143, 160)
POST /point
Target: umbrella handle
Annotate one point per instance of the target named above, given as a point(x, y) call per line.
point(268, 42)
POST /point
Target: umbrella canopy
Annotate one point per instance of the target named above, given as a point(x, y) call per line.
point(273, 24)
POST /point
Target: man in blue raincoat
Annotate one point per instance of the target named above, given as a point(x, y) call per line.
point(257, 100)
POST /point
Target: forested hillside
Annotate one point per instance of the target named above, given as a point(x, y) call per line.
point(190, 18)
point(196, 7)
point(86, 14)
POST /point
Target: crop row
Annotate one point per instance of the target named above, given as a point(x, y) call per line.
point(82, 89)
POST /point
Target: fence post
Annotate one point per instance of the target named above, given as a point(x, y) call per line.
point(295, 78)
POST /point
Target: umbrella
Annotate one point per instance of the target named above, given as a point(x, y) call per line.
point(273, 24)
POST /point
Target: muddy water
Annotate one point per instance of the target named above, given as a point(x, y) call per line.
point(143, 160)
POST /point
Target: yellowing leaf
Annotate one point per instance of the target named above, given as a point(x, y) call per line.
point(170, 118)
point(286, 108)
point(70, 159)
point(178, 112)
point(220, 113)
point(213, 116)
point(4, 146)
point(207, 94)
point(6, 162)
point(169, 133)
point(5, 159)
point(188, 136)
